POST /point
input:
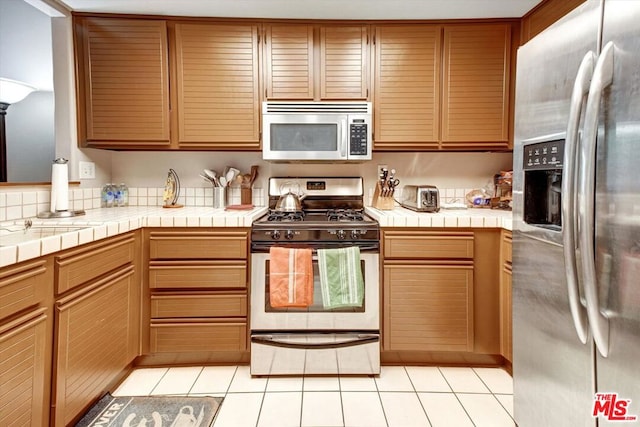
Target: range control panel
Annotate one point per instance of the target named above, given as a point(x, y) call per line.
point(543, 155)
point(358, 137)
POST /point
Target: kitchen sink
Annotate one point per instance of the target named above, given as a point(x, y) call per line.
point(19, 233)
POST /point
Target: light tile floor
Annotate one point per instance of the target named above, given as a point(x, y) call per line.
point(402, 396)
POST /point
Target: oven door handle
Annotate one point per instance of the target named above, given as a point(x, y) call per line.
point(277, 342)
point(264, 248)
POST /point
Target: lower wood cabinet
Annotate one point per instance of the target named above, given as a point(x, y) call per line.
point(441, 296)
point(25, 342)
point(97, 322)
point(506, 331)
point(428, 307)
point(25, 355)
point(197, 288)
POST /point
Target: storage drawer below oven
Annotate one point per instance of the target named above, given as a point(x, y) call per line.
point(315, 353)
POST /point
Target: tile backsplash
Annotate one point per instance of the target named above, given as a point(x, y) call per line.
point(28, 202)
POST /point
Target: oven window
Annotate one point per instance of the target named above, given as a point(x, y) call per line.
point(304, 137)
point(317, 296)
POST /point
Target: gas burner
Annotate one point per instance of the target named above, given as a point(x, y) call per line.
point(344, 215)
point(280, 216)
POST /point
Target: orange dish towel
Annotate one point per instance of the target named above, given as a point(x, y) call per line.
point(290, 277)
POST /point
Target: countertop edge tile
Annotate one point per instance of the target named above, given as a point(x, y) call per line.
point(102, 223)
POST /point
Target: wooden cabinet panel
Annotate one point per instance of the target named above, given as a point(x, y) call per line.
point(23, 374)
point(198, 337)
point(96, 340)
point(428, 244)
point(289, 61)
point(123, 82)
point(217, 83)
point(200, 275)
point(475, 92)
point(506, 314)
point(198, 305)
point(198, 245)
point(407, 86)
point(428, 307)
point(344, 62)
point(22, 286)
point(542, 16)
point(82, 265)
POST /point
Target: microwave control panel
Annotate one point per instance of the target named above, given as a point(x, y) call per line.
point(358, 131)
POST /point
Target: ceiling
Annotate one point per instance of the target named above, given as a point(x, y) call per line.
point(313, 9)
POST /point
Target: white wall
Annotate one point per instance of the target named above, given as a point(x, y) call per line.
point(445, 170)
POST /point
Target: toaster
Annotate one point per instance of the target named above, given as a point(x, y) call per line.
point(421, 198)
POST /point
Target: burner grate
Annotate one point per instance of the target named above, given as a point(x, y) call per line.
point(280, 216)
point(344, 215)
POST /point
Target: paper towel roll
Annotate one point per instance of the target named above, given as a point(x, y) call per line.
point(59, 185)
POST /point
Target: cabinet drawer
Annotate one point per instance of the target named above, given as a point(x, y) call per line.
point(428, 244)
point(199, 305)
point(22, 286)
point(198, 245)
point(506, 247)
point(80, 266)
point(198, 275)
point(198, 336)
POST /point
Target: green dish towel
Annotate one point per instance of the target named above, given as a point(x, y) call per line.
point(341, 277)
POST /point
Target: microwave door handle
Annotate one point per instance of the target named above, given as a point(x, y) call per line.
point(580, 91)
point(602, 78)
point(343, 139)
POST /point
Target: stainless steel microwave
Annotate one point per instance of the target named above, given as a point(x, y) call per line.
point(316, 131)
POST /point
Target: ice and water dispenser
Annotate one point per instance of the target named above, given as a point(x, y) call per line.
point(542, 166)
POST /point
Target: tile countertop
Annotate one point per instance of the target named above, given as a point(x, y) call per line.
point(100, 223)
point(473, 218)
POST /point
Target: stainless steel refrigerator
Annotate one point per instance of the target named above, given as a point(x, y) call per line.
point(576, 230)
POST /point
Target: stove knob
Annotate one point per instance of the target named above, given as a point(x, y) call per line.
point(288, 235)
point(341, 234)
point(355, 235)
point(275, 235)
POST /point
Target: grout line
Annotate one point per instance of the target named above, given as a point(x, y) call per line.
point(456, 395)
point(195, 380)
point(159, 381)
point(416, 393)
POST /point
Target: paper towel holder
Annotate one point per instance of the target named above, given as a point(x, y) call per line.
point(60, 180)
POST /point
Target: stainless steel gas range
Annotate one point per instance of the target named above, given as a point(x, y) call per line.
point(314, 338)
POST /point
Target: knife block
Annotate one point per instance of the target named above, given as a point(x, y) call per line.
point(246, 196)
point(384, 203)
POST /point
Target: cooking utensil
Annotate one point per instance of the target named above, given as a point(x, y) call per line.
point(213, 176)
point(254, 174)
point(223, 181)
point(290, 202)
point(231, 175)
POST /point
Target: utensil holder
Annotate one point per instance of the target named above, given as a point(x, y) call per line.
point(246, 196)
point(385, 203)
point(219, 197)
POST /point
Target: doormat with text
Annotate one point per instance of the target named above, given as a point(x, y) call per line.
point(152, 411)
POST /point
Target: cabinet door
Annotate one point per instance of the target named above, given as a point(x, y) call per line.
point(506, 342)
point(475, 91)
point(289, 65)
point(217, 85)
point(24, 355)
point(407, 97)
point(343, 62)
point(428, 307)
point(123, 96)
point(96, 339)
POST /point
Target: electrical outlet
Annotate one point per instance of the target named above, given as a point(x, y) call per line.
point(87, 170)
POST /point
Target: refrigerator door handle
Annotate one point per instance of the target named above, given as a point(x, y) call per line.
point(602, 77)
point(579, 93)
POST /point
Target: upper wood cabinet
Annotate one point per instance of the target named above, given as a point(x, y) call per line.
point(122, 82)
point(407, 86)
point(217, 85)
point(475, 86)
point(442, 87)
point(312, 62)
